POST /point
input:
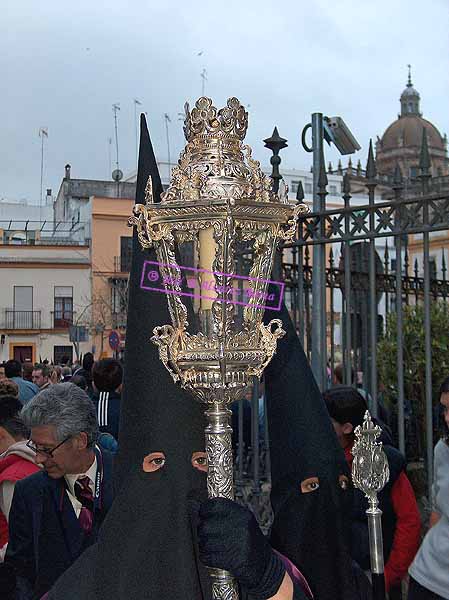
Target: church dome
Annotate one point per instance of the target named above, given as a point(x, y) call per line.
point(409, 91)
point(401, 142)
point(407, 131)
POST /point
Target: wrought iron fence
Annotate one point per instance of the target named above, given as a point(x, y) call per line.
point(382, 264)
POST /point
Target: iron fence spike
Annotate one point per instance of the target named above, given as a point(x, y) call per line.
point(371, 170)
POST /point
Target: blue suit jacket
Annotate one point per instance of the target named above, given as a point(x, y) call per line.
point(45, 537)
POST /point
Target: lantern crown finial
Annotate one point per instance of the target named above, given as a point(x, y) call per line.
point(205, 120)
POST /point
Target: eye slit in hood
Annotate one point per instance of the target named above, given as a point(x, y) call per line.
point(153, 462)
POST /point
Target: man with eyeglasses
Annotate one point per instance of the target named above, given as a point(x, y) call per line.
point(56, 513)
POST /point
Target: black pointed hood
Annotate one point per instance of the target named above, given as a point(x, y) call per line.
point(147, 549)
point(312, 527)
point(154, 410)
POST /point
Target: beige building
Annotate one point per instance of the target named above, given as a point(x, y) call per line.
point(104, 208)
point(46, 289)
point(111, 264)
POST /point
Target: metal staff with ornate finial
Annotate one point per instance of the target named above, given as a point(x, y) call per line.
point(370, 473)
point(218, 198)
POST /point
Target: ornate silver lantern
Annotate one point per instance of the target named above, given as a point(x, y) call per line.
point(218, 200)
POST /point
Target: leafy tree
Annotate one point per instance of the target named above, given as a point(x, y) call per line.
point(415, 360)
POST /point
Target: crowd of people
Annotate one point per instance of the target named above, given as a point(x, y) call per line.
point(72, 419)
point(39, 404)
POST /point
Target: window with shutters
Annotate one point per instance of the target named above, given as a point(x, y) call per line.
point(126, 253)
point(63, 306)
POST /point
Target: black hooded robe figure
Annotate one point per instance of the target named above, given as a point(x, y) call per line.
point(311, 492)
point(147, 549)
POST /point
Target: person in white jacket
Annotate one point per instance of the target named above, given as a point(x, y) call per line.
point(429, 572)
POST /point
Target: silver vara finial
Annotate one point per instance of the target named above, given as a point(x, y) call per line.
point(370, 470)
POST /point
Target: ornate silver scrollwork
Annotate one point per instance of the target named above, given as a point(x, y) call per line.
point(370, 470)
point(370, 473)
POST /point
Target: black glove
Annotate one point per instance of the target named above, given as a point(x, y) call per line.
point(229, 538)
point(7, 581)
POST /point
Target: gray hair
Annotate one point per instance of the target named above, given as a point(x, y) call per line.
point(65, 406)
point(66, 371)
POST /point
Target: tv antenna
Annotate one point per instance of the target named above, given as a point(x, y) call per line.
point(167, 121)
point(136, 104)
point(203, 83)
point(115, 109)
point(109, 155)
point(43, 133)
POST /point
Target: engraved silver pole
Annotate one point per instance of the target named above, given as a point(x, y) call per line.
point(370, 473)
point(220, 483)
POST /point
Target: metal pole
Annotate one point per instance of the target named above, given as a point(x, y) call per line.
point(292, 290)
point(332, 319)
point(300, 294)
point(109, 157)
point(400, 339)
point(42, 177)
point(318, 260)
point(220, 481)
point(373, 306)
point(43, 134)
point(203, 83)
point(425, 176)
point(136, 102)
point(135, 129)
point(347, 358)
point(116, 108)
point(255, 434)
point(323, 310)
point(167, 121)
point(371, 173)
point(428, 354)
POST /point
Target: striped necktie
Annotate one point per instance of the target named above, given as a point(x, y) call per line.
point(84, 494)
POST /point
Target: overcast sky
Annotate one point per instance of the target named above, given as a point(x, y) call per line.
point(63, 64)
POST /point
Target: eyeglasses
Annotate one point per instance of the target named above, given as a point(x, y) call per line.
point(47, 451)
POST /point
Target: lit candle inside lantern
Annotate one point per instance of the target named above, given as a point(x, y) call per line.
point(207, 246)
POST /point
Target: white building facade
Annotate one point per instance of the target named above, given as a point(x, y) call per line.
point(45, 290)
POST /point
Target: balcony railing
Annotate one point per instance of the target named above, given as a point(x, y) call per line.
point(23, 319)
point(122, 264)
point(62, 319)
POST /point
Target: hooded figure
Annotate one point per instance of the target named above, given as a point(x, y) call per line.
point(147, 548)
point(311, 492)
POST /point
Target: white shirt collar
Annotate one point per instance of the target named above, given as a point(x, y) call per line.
point(91, 473)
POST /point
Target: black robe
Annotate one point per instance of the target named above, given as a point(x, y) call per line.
point(312, 529)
